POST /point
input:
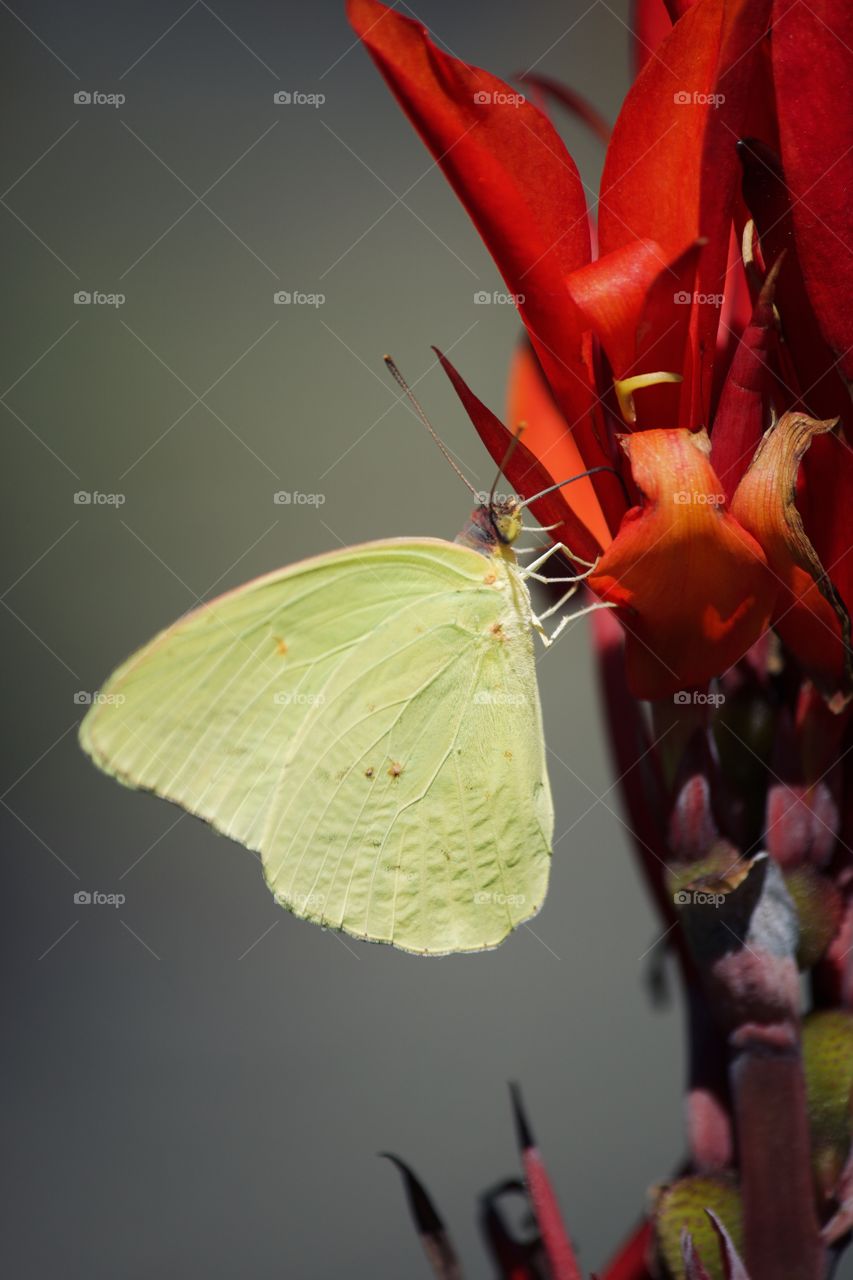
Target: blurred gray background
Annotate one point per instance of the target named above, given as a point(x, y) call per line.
point(197, 1083)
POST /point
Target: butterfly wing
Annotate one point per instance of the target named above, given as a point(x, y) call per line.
point(369, 722)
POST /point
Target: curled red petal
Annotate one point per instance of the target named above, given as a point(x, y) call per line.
point(809, 615)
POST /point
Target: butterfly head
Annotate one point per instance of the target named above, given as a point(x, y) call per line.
point(505, 518)
point(495, 523)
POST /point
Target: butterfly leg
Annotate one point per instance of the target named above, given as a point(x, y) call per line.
point(555, 608)
point(530, 570)
point(570, 617)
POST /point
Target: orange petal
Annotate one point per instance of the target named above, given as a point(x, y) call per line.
point(810, 615)
point(693, 586)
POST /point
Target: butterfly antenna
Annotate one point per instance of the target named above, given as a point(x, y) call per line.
point(418, 408)
point(510, 449)
point(581, 475)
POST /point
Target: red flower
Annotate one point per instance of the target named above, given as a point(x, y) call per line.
point(729, 136)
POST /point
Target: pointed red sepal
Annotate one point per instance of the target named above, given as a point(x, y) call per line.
point(436, 1243)
point(525, 472)
point(575, 103)
point(555, 1238)
point(631, 1262)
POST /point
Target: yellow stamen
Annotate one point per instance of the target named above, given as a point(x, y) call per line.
point(625, 388)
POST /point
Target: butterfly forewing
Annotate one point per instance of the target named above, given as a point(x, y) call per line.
point(369, 722)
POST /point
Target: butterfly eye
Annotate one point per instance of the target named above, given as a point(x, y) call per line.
point(507, 522)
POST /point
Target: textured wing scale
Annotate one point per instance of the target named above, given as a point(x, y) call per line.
point(369, 722)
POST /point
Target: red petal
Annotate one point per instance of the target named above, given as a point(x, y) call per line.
point(650, 25)
point(525, 472)
point(826, 503)
point(692, 586)
point(810, 367)
point(671, 169)
point(735, 315)
point(638, 305)
point(510, 169)
point(740, 419)
point(813, 71)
